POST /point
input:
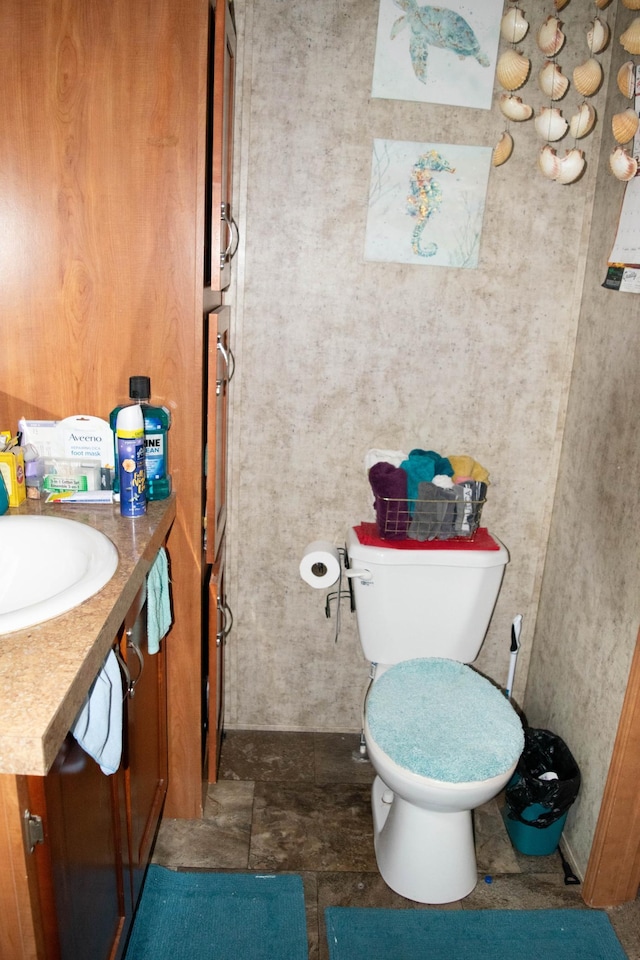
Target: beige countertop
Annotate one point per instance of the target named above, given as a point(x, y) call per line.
point(46, 670)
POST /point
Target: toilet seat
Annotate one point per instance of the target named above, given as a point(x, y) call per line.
point(440, 719)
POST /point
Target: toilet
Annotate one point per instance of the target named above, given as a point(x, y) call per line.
point(442, 739)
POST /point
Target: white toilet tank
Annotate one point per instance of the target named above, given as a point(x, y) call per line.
point(424, 602)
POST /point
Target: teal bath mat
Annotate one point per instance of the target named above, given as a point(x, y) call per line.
point(219, 916)
point(360, 933)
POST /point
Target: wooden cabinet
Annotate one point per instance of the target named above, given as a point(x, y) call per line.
point(87, 864)
point(116, 172)
point(220, 365)
point(220, 623)
point(221, 239)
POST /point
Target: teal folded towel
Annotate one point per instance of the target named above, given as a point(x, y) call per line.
point(158, 601)
point(422, 466)
point(98, 726)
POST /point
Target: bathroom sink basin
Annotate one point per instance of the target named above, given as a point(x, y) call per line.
point(48, 566)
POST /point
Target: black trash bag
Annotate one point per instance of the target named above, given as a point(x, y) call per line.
point(543, 752)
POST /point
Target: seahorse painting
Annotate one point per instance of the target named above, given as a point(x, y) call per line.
point(437, 27)
point(425, 197)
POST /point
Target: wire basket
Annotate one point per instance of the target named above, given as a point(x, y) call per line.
point(442, 519)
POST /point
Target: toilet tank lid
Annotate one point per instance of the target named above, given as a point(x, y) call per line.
point(373, 552)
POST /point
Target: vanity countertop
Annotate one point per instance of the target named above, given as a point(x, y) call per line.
point(46, 670)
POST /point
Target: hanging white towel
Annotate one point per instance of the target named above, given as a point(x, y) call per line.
point(98, 727)
point(158, 601)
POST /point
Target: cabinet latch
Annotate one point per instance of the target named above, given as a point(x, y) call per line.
point(32, 829)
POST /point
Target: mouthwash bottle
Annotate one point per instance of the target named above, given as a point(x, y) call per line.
point(157, 421)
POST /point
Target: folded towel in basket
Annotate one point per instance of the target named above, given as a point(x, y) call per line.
point(98, 726)
point(434, 517)
point(392, 514)
point(469, 468)
point(422, 466)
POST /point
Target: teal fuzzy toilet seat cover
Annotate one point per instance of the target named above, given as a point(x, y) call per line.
point(440, 719)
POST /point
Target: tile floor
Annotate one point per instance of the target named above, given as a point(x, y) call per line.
point(299, 803)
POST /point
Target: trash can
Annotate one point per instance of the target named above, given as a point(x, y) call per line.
point(538, 796)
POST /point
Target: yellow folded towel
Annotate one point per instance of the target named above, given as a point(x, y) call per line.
point(468, 467)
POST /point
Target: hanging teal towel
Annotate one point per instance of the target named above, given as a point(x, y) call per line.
point(158, 601)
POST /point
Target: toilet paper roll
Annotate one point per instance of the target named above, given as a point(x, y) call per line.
point(320, 564)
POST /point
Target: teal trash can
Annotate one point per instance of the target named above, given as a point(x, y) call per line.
point(540, 793)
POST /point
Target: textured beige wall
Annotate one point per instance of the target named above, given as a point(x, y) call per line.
point(336, 355)
point(589, 610)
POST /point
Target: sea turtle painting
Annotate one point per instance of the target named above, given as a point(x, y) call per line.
point(436, 27)
point(425, 197)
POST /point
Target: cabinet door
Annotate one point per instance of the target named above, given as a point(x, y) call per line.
point(145, 740)
point(220, 622)
point(221, 241)
point(79, 865)
point(220, 371)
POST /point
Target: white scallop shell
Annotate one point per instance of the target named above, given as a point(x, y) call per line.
point(625, 125)
point(598, 36)
point(630, 39)
point(550, 124)
point(548, 163)
point(627, 79)
point(552, 81)
point(513, 26)
point(582, 122)
point(550, 36)
point(512, 69)
point(571, 166)
point(622, 165)
point(513, 108)
point(587, 77)
point(503, 149)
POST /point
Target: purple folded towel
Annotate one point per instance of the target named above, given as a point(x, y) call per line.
point(389, 485)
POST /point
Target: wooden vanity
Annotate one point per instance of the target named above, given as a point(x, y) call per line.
point(74, 843)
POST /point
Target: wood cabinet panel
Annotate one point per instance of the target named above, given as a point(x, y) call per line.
point(220, 367)
point(220, 623)
point(222, 240)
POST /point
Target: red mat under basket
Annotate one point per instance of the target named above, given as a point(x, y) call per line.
point(367, 534)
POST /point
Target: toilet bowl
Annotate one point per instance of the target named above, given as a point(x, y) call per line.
point(442, 740)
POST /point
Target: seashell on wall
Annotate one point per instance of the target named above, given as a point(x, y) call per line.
point(631, 4)
point(513, 107)
point(548, 163)
point(550, 37)
point(503, 149)
point(598, 36)
point(552, 81)
point(630, 39)
point(623, 167)
point(601, 4)
point(582, 122)
point(550, 124)
point(560, 4)
point(513, 26)
point(587, 77)
point(570, 166)
point(512, 69)
point(627, 79)
point(625, 125)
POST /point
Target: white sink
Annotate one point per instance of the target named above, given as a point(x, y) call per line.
point(49, 565)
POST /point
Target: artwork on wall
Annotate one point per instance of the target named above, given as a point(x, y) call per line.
point(426, 203)
point(440, 54)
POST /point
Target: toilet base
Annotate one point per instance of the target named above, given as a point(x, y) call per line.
point(424, 855)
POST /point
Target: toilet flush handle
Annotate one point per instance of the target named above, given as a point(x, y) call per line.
point(362, 574)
